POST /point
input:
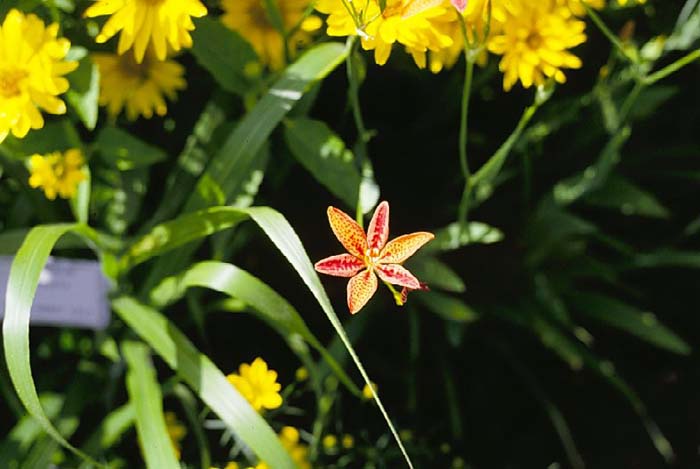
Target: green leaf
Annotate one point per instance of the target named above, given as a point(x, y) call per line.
point(27, 430)
point(198, 371)
point(446, 306)
point(80, 202)
point(118, 196)
point(191, 162)
point(21, 286)
point(621, 194)
point(452, 237)
point(573, 188)
point(436, 274)
point(57, 135)
point(618, 314)
point(225, 54)
point(110, 430)
point(326, 157)
point(668, 258)
point(85, 90)
point(182, 230)
point(238, 283)
point(230, 168)
point(145, 396)
point(123, 151)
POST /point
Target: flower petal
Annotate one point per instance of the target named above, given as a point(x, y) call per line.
point(397, 275)
point(349, 233)
point(360, 289)
point(342, 265)
point(378, 230)
point(401, 248)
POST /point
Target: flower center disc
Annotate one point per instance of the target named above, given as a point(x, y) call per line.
point(10, 81)
point(534, 40)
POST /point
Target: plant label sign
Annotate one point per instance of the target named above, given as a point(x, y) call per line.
point(71, 293)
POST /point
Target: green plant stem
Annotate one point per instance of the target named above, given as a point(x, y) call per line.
point(363, 136)
point(614, 40)
point(674, 67)
point(397, 296)
point(463, 210)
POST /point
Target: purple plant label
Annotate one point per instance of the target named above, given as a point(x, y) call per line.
point(71, 293)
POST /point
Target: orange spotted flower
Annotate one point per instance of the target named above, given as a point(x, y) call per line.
point(370, 254)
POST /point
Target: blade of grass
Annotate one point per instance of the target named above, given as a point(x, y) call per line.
point(146, 397)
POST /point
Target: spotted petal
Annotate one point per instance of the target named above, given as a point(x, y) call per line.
point(397, 275)
point(378, 230)
point(360, 289)
point(342, 265)
point(349, 233)
point(401, 248)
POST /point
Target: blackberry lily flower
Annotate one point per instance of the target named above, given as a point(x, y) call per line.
point(370, 255)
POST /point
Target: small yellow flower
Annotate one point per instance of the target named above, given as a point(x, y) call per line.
point(251, 19)
point(57, 173)
point(299, 452)
point(367, 392)
point(329, 441)
point(160, 23)
point(302, 374)
point(534, 39)
point(32, 66)
point(411, 23)
point(232, 465)
point(623, 3)
point(176, 431)
point(141, 88)
point(258, 385)
point(348, 441)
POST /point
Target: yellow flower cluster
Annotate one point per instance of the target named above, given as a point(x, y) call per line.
point(32, 65)
point(252, 20)
point(57, 173)
point(533, 38)
point(141, 82)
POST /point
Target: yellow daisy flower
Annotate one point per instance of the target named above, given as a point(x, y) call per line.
point(577, 8)
point(160, 23)
point(475, 17)
point(408, 22)
point(534, 39)
point(289, 437)
point(258, 385)
point(251, 20)
point(57, 173)
point(141, 88)
point(32, 66)
point(176, 431)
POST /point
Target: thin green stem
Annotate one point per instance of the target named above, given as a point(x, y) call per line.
point(469, 55)
point(363, 136)
point(629, 101)
point(606, 31)
point(669, 69)
point(398, 298)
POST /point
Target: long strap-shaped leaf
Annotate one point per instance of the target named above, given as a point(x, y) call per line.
point(145, 395)
point(280, 232)
point(236, 282)
point(198, 371)
point(21, 286)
